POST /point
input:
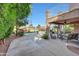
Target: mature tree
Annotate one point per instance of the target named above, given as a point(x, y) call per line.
point(23, 10)
point(12, 14)
point(7, 19)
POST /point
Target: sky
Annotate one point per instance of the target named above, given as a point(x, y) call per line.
point(38, 13)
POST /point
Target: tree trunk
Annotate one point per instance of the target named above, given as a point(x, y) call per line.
point(2, 42)
point(16, 30)
point(16, 27)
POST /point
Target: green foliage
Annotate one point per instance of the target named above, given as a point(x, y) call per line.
point(22, 11)
point(8, 32)
point(68, 28)
point(45, 36)
point(12, 14)
point(7, 19)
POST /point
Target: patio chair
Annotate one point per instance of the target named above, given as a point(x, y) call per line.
point(73, 36)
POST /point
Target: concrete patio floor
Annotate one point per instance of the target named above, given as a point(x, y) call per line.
point(30, 46)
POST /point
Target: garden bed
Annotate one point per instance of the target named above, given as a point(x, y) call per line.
point(4, 47)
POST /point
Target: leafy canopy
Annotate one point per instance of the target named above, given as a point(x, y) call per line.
point(10, 15)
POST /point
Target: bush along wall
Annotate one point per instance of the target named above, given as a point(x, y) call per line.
point(45, 36)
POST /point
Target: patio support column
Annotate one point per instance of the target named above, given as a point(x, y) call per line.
point(58, 29)
point(48, 31)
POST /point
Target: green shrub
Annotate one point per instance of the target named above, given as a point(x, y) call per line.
point(20, 33)
point(45, 36)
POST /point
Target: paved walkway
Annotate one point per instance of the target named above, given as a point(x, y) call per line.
point(29, 45)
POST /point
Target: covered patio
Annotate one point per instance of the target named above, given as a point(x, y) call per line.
point(69, 17)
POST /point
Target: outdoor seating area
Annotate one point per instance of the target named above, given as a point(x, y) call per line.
point(67, 18)
point(27, 30)
point(65, 36)
point(73, 36)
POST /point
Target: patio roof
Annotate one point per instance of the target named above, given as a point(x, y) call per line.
point(70, 17)
point(67, 21)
